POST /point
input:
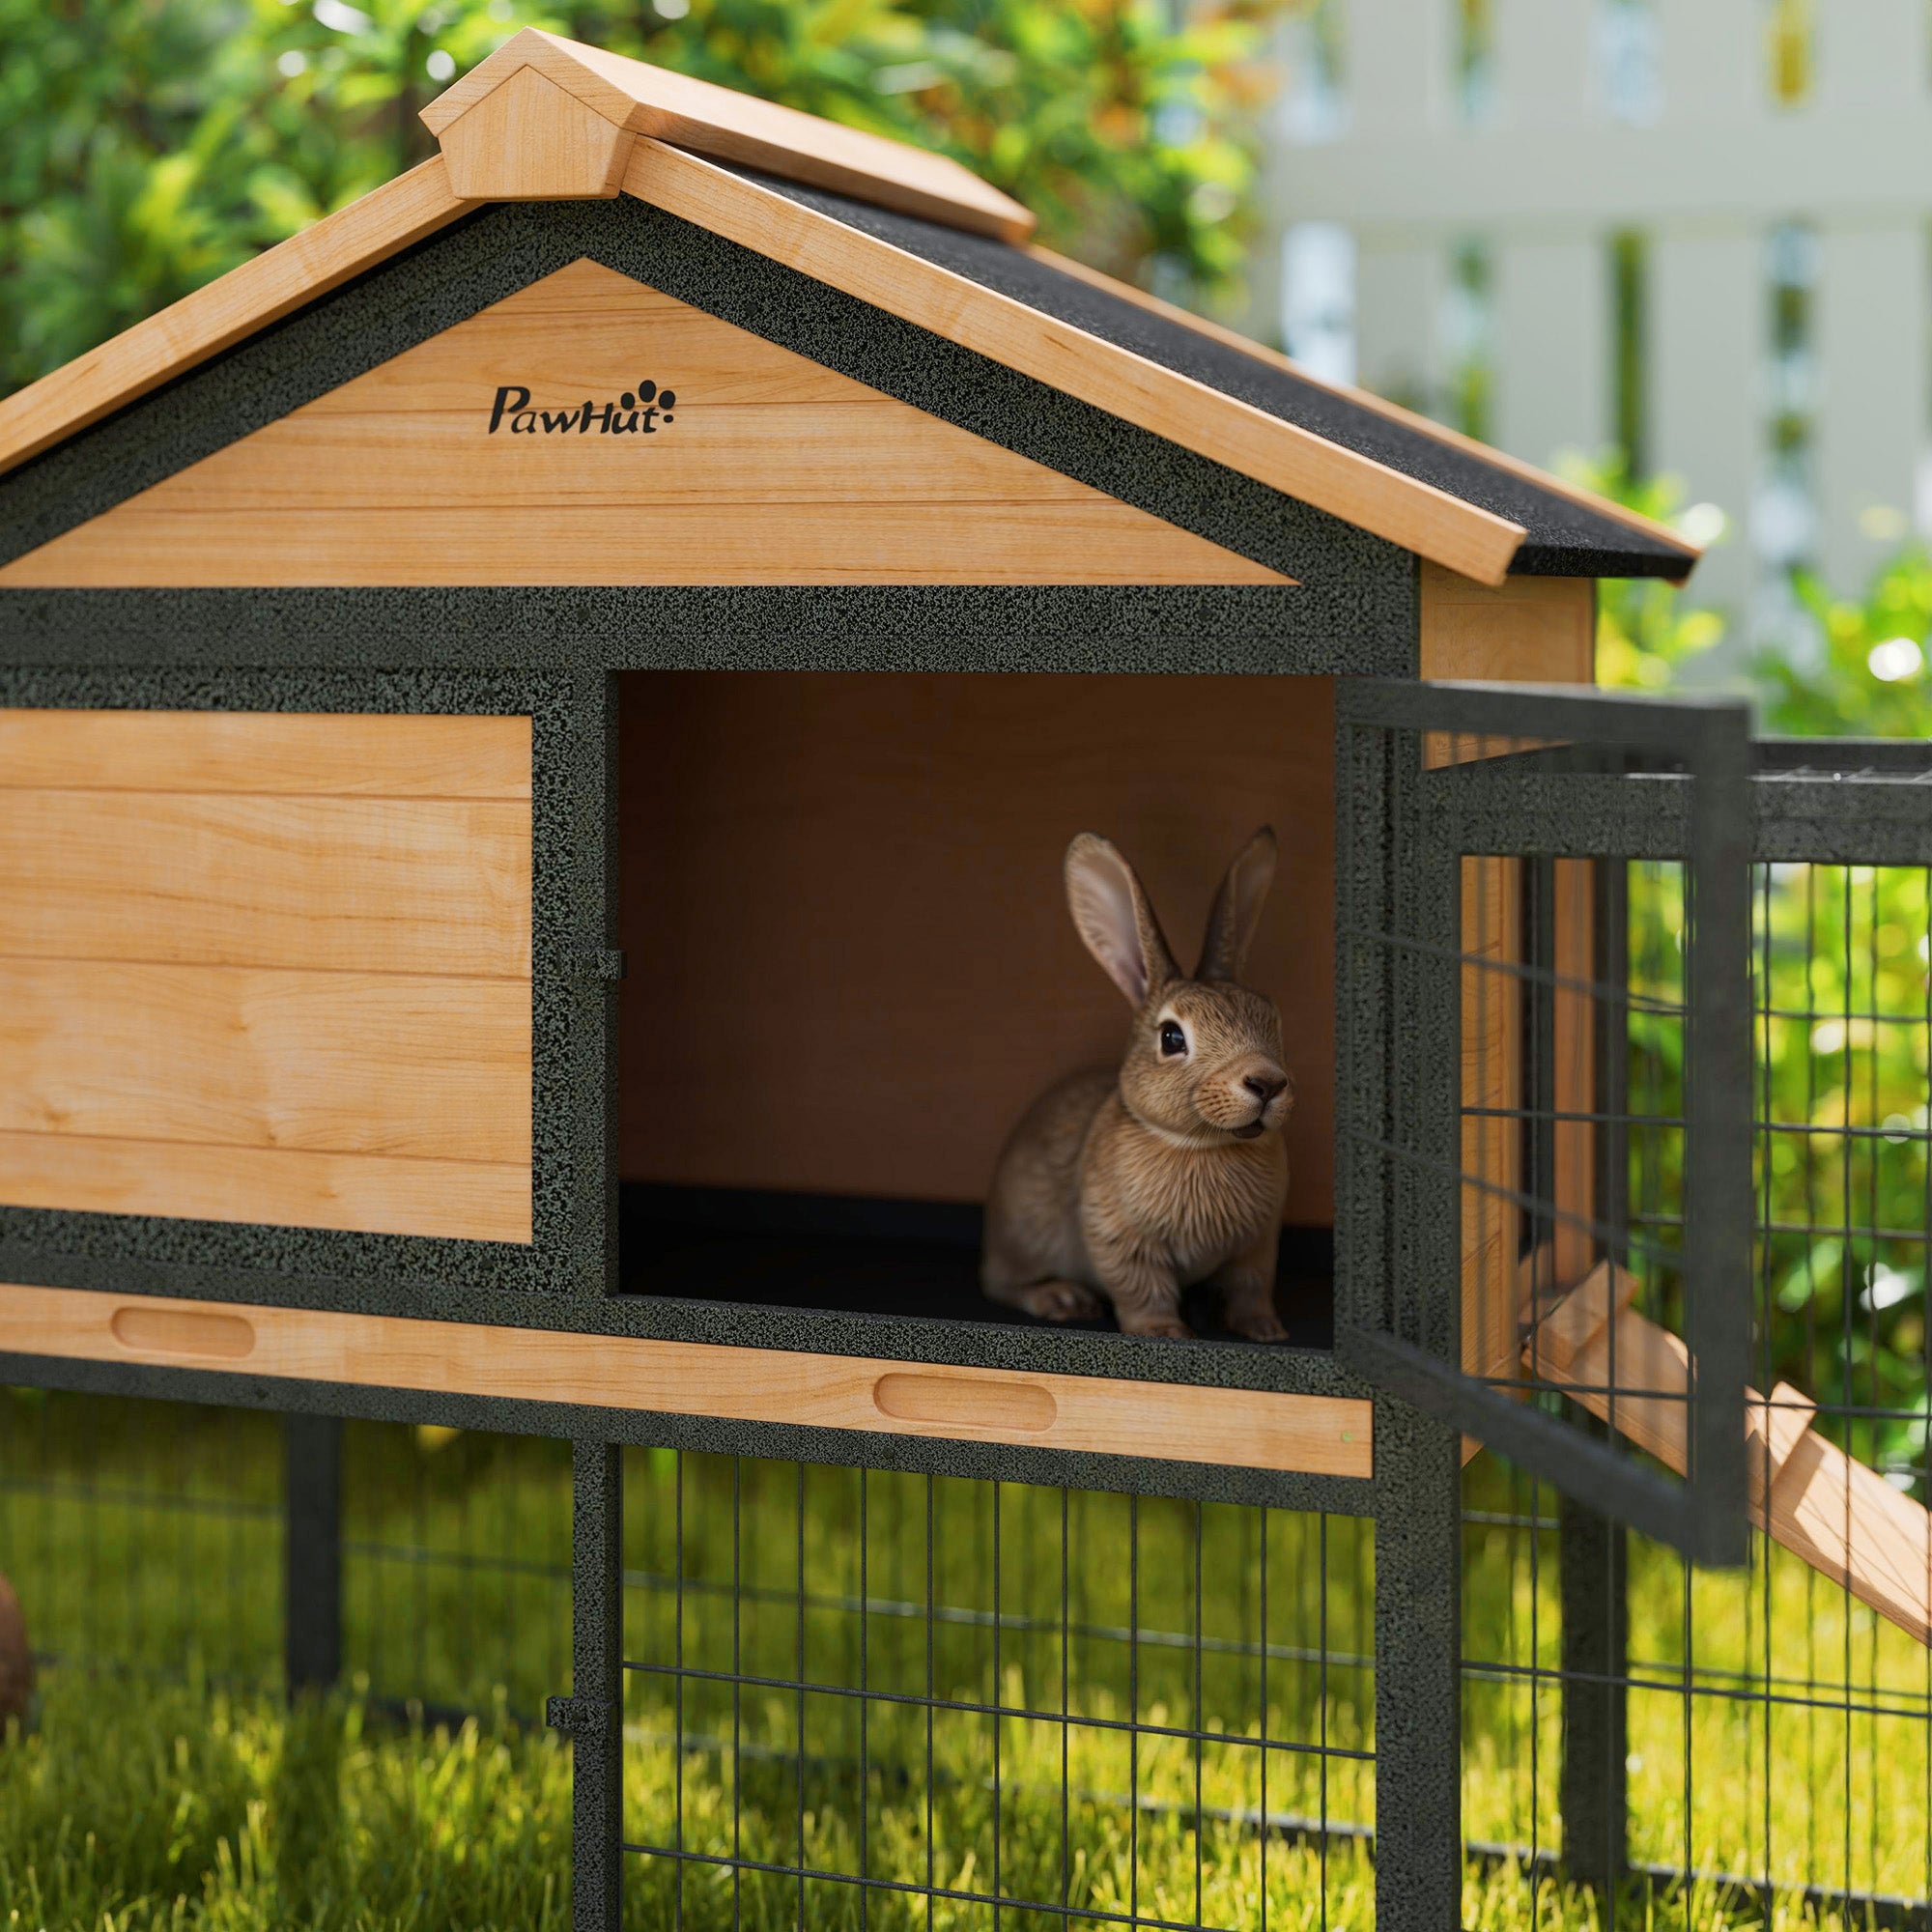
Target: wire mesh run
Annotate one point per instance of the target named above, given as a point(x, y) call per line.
point(143, 1536)
point(1764, 1734)
point(148, 1536)
point(881, 1700)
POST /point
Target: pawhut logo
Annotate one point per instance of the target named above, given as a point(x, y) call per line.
point(639, 411)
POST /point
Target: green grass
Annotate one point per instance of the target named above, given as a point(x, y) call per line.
point(173, 1789)
point(139, 1804)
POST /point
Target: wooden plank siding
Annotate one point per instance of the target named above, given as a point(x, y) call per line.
point(770, 469)
point(1240, 1427)
point(268, 968)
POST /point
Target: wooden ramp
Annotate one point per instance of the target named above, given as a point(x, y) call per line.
point(1836, 1513)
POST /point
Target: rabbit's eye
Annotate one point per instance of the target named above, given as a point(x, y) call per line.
point(1171, 1040)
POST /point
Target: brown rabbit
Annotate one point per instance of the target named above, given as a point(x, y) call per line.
point(1132, 1185)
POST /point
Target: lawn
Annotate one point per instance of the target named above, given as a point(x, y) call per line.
point(166, 1785)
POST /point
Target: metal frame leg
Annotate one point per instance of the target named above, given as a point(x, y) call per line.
point(592, 1715)
point(1419, 1671)
point(1594, 1788)
point(312, 1552)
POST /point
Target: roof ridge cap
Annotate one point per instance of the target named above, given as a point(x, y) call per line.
point(726, 125)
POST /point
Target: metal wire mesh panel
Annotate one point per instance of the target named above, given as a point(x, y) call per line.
point(150, 1536)
point(874, 1699)
point(1766, 1735)
point(143, 1536)
point(456, 1571)
point(1545, 1133)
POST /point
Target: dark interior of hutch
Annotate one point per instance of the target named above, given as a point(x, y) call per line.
point(850, 963)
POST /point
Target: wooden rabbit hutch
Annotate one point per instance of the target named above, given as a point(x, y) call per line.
point(541, 718)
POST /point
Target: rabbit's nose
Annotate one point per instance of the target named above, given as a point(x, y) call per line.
point(1264, 1090)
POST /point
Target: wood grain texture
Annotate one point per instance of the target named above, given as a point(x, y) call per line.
point(369, 1194)
point(341, 1062)
point(851, 960)
point(314, 753)
point(433, 886)
point(1492, 1223)
point(529, 139)
point(770, 470)
point(368, 231)
point(1412, 514)
point(1410, 419)
point(740, 127)
point(1321, 1434)
point(267, 967)
point(1530, 630)
point(718, 543)
point(1574, 1069)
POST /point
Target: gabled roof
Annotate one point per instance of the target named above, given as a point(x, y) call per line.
point(909, 233)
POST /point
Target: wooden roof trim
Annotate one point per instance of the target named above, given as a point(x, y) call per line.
point(1473, 541)
point(740, 127)
point(201, 324)
point(1467, 445)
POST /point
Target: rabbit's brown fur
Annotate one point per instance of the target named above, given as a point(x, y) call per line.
point(1127, 1186)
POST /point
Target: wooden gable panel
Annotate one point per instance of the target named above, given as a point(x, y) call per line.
point(486, 455)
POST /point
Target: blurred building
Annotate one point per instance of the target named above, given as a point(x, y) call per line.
point(1695, 229)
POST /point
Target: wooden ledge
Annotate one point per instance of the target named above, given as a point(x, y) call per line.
point(1327, 1436)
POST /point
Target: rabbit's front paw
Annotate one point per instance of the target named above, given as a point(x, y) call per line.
point(1256, 1323)
point(1156, 1324)
point(1063, 1301)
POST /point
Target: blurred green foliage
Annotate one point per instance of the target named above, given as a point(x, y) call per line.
point(1860, 670)
point(152, 144)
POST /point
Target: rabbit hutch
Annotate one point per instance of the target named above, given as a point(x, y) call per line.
point(541, 720)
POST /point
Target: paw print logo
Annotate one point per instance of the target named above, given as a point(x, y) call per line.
point(648, 393)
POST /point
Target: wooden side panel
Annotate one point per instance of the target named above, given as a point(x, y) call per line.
point(347, 756)
point(369, 1194)
point(268, 968)
point(733, 461)
point(1537, 630)
point(348, 1062)
point(409, 886)
point(851, 960)
point(1243, 1428)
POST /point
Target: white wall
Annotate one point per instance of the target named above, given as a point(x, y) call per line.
point(1705, 166)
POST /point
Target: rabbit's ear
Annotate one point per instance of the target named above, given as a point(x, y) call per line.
point(1113, 916)
point(1238, 908)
